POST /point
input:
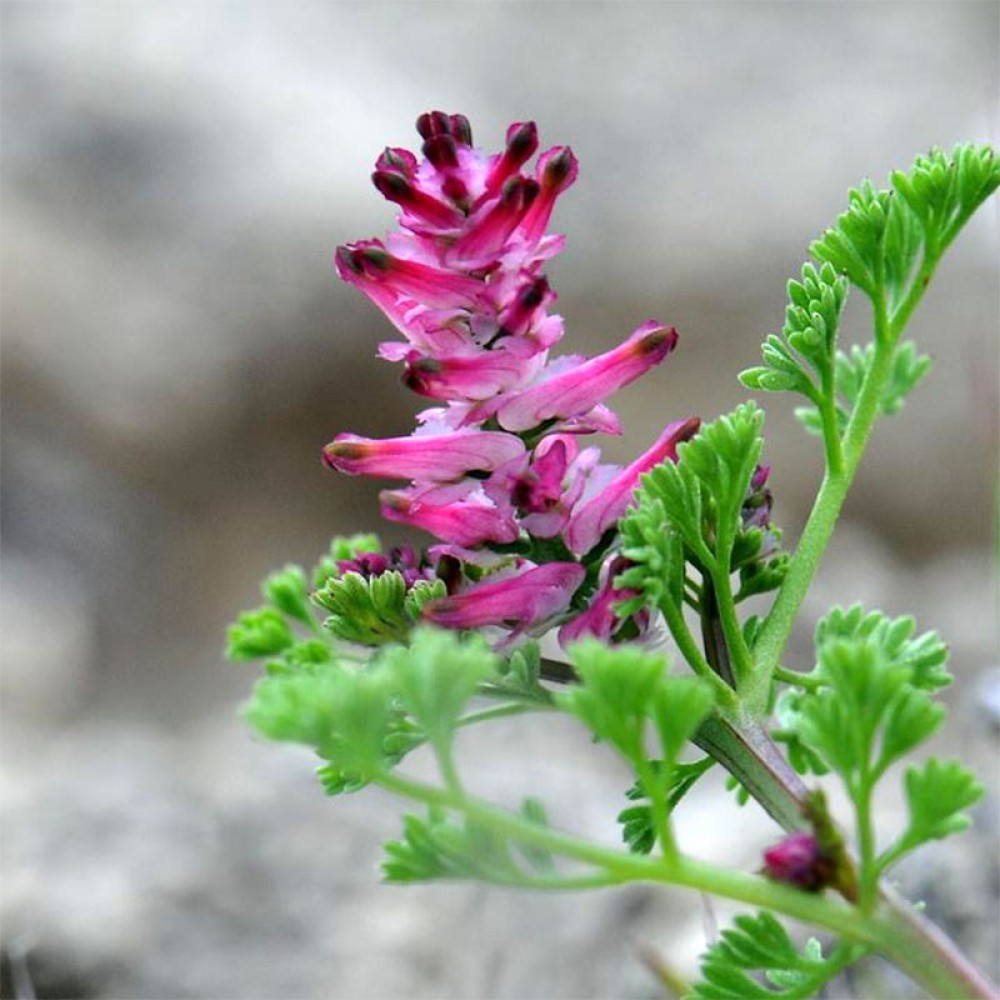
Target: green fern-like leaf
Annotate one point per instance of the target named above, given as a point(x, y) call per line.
point(259, 633)
point(853, 246)
point(937, 793)
point(924, 656)
point(851, 369)
point(755, 959)
point(944, 190)
point(638, 829)
point(438, 848)
point(370, 612)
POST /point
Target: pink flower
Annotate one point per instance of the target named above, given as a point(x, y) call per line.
point(476, 377)
point(545, 490)
point(518, 601)
point(435, 457)
point(460, 513)
point(600, 620)
point(595, 514)
point(572, 391)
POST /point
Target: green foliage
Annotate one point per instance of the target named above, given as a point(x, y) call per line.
point(638, 828)
point(887, 244)
point(651, 542)
point(757, 960)
point(374, 611)
point(615, 692)
point(866, 715)
point(436, 675)
point(901, 668)
point(937, 793)
point(853, 247)
point(518, 676)
point(440, 848)
point(363, 719)
point(924, 656)
point(622, 688)
point(757, 575)
point(288, 591)
point(263, 632)
point(908, 370)
point(443, 848)
point(808, 338)
point(690, 510)
point(343, 712)
point(944, 191)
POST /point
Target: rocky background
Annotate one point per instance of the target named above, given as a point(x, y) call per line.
point(177, 349)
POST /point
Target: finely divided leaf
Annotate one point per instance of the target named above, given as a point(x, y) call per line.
point(757, 960)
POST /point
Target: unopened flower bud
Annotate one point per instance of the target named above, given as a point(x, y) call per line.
point(800, 861)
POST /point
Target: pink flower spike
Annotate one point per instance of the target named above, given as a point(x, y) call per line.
point(520, 601)
point(596, 514)
point(459, 513)
point(433, 457)
point(578, 389)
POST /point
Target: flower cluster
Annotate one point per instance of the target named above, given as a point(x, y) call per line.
point(496, 470)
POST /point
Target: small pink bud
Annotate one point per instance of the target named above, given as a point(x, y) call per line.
point(798, 860)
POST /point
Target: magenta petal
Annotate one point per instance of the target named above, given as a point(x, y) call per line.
point(459, 513)
point(595, 515)
point(477, 377)
point(580, 388)
point(518, 601)
point(433, 457)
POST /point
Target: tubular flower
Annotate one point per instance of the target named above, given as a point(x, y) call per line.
point(495, 469)
point(519, 600)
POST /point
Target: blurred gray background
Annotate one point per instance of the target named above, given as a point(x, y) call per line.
point(177, 349)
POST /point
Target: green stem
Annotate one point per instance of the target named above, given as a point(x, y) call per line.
point(837, 481)
point(823, 518)
point(831, 424)
point(725, 696)
point(914, 944)
point(896, 930)
point(739, 655)
point(867, 872)
point(502, 711)
point(653, 786)
point(797, 678)
point(620, 867)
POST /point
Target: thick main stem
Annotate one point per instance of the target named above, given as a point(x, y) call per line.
point(914, 944)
